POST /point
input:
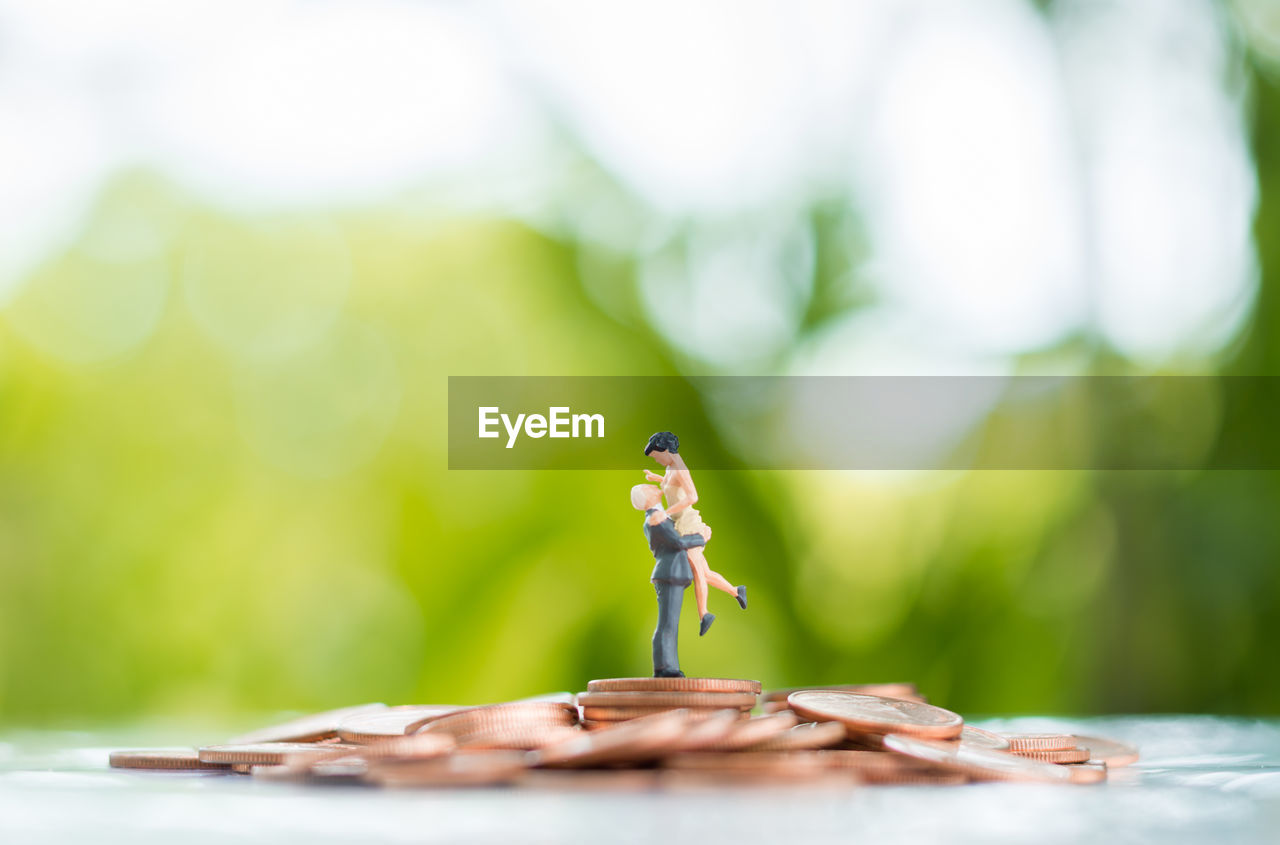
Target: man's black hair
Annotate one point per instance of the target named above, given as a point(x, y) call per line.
point(663, 441)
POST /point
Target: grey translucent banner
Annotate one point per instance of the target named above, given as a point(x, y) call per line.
point(868, 422)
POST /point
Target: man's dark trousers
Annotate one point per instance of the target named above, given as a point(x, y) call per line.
point(666, 656)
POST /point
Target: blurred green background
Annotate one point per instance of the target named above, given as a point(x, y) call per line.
point(223, 481)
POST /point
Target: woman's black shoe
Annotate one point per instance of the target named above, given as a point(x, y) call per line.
point(707, 619)
point(742, 596)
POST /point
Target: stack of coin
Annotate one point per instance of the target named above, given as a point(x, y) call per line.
point(612, 700)
point(1051, 748)
point(269, 753)
point(178, 760)
point(1087, 758)
point(647, 733)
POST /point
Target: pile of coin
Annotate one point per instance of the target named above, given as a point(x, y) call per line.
point(643, 733)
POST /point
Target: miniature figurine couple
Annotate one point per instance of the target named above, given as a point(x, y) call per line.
point(676, 537)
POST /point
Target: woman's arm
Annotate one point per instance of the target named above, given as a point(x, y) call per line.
point(692, 541)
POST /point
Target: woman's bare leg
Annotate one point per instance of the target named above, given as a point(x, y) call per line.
point(699, 566)
point(709, 575)
point(718, 581)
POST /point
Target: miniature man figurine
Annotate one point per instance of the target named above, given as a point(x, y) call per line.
point(671, 576)
point(677, 486)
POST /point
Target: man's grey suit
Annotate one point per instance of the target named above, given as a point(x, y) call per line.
point(671, 576)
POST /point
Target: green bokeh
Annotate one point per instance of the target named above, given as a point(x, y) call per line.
point(221, 494)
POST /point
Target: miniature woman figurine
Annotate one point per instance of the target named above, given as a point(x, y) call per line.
point(681, 495)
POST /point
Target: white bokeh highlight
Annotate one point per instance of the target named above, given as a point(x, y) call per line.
point(1021, 179)
point(968, 183)
point(1171, 180)
point(339, 102)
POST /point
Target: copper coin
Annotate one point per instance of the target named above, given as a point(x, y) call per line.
point(693, 717)
point(553, 712)
point(1058, 755)
point(503, 717)
point(760, 762)
point(474, 768)
point(416, 747)
point(1039, 741)
point(613, 715)
point(557, 705)
point(302, 761)
point(307, 728)
point(467, 730)
point(716, 685)
point(889, 690)
point(751, 732)
point(811, 735)
point(186, 759)
point(877, 715)
point(717, 700)
point(420, 724)
point(980, 763)
point(523, 739)
point(622, 714)
point(262, 752)
point(364, 728)
point(1114, 754)
point(347, 760)
point(979, 738)
point(706, 732)
point(646, 738)
point(594, 716)
point(866, 742)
